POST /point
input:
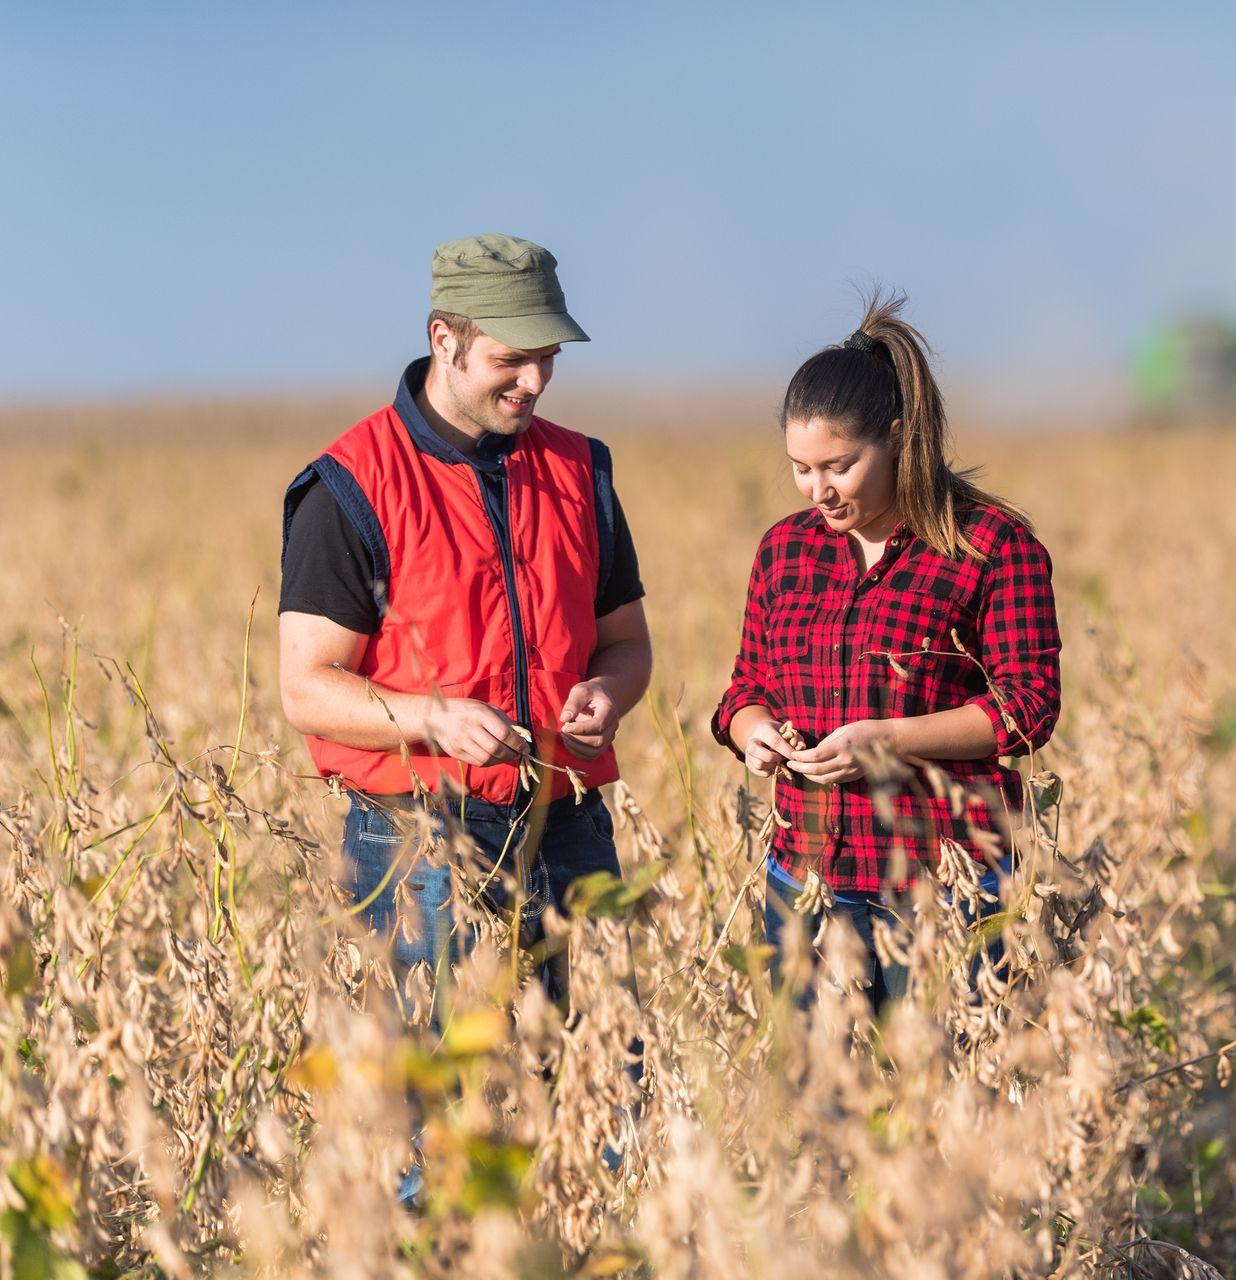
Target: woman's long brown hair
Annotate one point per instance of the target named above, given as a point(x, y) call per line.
point(866, 391)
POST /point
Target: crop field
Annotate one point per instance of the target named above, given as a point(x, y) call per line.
point(203, 1068)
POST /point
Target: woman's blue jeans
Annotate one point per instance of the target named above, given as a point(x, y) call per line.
point(884, 981)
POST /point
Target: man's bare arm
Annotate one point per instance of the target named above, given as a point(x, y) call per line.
point(323, 696)
point(622, 662)
point(617, 677)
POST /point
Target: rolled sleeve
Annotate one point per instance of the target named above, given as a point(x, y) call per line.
point(749, 682)
point(1020, 645)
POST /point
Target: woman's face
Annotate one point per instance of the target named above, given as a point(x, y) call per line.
point(853, 484)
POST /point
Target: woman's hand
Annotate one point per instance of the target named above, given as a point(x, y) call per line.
point(765, 748)
point(835, 759)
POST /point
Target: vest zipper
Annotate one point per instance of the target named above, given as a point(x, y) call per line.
point(500, 521)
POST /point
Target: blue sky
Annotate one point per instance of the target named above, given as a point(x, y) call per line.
point(232, 197)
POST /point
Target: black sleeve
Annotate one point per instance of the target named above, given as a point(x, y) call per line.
point(327, 569)
point(624, 584)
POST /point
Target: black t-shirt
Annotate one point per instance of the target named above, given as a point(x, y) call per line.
point(328, 571)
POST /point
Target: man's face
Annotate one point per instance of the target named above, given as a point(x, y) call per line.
point(495, 388)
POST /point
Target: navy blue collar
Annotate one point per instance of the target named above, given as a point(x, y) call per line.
point(491, 449)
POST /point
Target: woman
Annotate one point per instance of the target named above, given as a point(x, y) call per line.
point(905, 607)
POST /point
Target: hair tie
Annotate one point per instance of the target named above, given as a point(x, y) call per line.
point(859, 341)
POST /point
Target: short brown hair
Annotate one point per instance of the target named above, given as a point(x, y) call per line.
point(464, 329)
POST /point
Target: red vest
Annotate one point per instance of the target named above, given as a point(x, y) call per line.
point(457, 621)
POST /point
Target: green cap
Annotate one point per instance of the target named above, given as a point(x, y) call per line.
point(508, 286)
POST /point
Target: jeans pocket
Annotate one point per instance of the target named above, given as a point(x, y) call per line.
point(598, 816)
point(378, 837)
point(375, 826)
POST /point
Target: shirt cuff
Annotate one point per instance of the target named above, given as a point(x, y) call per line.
point(1008, 741)
point(637, 593)
point(724, 715)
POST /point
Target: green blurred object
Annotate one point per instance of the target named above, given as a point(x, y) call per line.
point(1186, 372)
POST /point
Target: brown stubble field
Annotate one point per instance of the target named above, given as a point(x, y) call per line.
point(149, 530)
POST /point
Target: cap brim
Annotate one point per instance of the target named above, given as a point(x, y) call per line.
point(530, 333)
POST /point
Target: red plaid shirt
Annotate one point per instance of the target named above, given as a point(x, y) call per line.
point(816, 641)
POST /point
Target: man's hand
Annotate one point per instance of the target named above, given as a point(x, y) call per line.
point(765, 748)
point(589, 719)
point(835, 759)
point(474, 732)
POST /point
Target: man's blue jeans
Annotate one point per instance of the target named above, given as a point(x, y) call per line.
point(577, 839)
point(884, 982)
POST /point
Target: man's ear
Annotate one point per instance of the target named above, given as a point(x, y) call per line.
point(442, 341)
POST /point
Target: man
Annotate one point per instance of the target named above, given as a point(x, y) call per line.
point(460, 590)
